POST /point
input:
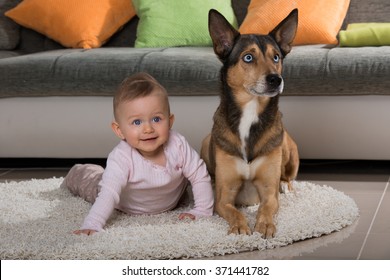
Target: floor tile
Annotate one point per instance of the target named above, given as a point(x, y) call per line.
point(377, 247)
point(377, 243)
point(381, 223)
point(4, 172)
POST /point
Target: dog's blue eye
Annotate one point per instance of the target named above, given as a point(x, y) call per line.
point(247, 58)
point(276, 58)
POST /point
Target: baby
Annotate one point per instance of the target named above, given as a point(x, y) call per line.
point(148, 171)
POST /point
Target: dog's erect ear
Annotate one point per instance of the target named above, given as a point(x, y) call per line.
point(222, 33)
point(284, 33)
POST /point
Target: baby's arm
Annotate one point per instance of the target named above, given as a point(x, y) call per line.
point(195, 170)
point(113, 180)
point(101, 210)
point(203, 199)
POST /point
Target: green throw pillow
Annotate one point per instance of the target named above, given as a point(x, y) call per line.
point(169, 23)
point(365, 34)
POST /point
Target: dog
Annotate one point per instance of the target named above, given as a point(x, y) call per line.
point(248, 152)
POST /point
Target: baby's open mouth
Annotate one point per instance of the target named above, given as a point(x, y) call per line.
point(149, 139)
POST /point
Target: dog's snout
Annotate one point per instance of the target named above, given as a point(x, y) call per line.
point(274, 80)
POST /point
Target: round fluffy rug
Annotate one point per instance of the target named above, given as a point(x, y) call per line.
point(37, 219)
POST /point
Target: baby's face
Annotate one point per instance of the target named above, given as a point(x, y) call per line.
point(145, 123)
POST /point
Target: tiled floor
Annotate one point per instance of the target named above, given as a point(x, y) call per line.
point(366, 182)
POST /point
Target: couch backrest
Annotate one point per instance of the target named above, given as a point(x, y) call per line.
point(359, 11)
point(368, 11)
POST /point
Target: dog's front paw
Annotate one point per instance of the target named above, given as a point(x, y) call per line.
point(268, 230)
point(240, 229)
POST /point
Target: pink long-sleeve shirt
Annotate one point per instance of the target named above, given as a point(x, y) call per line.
point(136, 185)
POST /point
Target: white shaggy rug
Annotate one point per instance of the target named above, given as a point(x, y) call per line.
point(37, 218)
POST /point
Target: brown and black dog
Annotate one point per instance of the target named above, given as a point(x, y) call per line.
point(248, 152)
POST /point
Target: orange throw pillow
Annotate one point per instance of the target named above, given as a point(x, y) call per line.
point(74, 23)
point(319, 21)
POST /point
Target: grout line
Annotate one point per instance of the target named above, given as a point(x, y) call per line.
point(6, 172)
point(373, 220)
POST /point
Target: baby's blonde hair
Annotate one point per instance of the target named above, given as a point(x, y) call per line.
point(136, 86)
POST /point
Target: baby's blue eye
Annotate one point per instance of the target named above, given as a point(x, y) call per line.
point(248, 58)
point(137, 122)
point(276, 58)
point(156, 119)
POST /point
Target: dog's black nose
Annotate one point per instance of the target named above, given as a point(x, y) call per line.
point(274, 80)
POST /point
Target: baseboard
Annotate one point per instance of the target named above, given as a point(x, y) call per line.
point(306, 165)
point(15, 163)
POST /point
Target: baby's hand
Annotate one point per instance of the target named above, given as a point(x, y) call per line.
point(84, 231)
point(182, 216)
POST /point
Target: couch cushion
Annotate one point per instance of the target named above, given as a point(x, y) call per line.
point(318, 70)
point(183, 71)
point(6, 54)
point(308, 70)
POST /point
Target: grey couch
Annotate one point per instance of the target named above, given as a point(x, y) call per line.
point(56, 102)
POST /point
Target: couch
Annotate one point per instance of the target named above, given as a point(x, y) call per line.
point(56, 102)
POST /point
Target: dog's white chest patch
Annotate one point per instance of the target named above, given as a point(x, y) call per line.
point(248, 194)
point(249, 170)
point(249, 116)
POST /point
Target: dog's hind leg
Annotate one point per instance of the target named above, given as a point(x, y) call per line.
point(205, 153)
point(290, 160)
